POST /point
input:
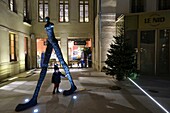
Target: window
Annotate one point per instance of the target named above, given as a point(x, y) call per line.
point(163, 4)
point(147, 55)
point(84, 11)
point(132, 36)
point(25, 8)
point(25, 12)
point(12, 5)
point(137, 6)
point(64, 11)
point(164, 51)
point(43, 10)
point(12, 43)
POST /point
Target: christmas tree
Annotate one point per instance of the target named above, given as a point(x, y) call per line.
point(120, 60)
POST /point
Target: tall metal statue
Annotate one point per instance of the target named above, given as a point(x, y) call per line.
point(52, 42)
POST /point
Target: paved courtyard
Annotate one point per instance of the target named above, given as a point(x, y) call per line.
point(95, 94)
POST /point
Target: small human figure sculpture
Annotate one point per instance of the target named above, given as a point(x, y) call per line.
point(56, 79)
point(52, 42)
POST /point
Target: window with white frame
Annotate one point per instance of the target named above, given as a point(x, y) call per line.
point(64, 11)
point(43, 10)
point(12, 5)
point(26, 11)
point(25, 8)
point(83, 10)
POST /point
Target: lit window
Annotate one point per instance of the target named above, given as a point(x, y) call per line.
point(12, 5)
point(25, 8)
point(26, 12)
point(46, 8)
point(64, 11)
point(12, 42)
point(84, 11)
point(43, 10)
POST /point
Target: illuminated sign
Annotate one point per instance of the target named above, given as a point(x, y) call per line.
point(79, 42)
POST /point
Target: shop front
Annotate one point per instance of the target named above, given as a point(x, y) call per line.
point(151, 33)
point(79, 53)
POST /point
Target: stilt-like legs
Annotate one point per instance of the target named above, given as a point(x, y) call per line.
point(33, 101)
point(57, 49)
point(51, 44)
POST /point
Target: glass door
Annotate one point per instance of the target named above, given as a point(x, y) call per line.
point(164, 51)
point(147, 55)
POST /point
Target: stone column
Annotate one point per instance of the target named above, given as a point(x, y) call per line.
point(108, 31)
point(64, 46)
point(108, 15)
point(32, 50)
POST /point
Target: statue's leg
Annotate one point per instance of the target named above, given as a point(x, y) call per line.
point(65, 67)
point(33, 101)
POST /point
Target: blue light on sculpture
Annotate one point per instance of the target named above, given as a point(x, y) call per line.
point(52, 43)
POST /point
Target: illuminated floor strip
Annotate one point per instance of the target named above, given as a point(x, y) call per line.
point(149, 96)
point(13, 78)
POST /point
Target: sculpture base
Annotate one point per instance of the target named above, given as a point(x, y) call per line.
point(21, 107)
point(70, 91)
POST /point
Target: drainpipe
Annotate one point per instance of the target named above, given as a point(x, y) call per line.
point(100, 35)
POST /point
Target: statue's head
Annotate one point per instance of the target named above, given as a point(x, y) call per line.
point(47, 19)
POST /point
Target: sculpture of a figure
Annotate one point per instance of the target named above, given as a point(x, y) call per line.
point(52, 42)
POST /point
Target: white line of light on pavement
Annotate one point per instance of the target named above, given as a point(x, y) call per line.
point(149, 96)
point(12, 78)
